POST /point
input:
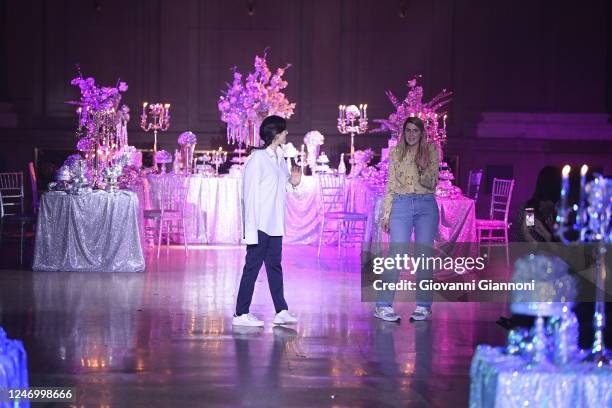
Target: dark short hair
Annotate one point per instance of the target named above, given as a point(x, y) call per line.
point(270, 127)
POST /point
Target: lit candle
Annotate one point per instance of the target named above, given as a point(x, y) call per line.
point(144, 107)
point(339, 112)
point(365, 111)
point(564, 191)
point(583, 171)
point(444, 121)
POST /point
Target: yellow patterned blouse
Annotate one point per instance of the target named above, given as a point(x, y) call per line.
point(405, 177)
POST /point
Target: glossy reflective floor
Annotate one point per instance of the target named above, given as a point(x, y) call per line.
point(164, 338)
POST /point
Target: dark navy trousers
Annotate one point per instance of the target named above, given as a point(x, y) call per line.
point(268, 251)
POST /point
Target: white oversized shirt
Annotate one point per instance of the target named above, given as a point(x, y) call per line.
point(264, 184)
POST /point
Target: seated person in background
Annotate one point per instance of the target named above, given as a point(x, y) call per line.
point(542, 204)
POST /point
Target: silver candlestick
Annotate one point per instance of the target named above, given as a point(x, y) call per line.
point(353, 120)
point(593, 216)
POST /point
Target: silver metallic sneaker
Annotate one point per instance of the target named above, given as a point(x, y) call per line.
point(421, 313)
point(387, 314)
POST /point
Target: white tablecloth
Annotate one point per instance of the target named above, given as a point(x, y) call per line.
point(96, 232)
point(213, 214)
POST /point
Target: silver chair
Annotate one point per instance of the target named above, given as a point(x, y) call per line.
point(15, 219)
point(473, 188)
point(11, 188)
point(350, 226)
point(169, 199)
point(486, 229)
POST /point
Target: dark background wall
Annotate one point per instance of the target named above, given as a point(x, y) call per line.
point(547, 59)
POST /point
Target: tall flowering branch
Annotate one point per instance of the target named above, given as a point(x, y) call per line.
point(413, 105)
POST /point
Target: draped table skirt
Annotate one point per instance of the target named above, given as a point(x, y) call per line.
point(213, 212)
point(214, 216)
point(96, 232)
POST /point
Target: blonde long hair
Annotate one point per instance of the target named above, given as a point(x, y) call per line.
point(423, 149)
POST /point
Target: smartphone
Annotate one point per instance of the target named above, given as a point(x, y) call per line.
point(529, 217)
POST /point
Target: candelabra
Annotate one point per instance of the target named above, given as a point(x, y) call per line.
point(217, 158)
point(593, 216)
point(352, 120)
point(160, 121)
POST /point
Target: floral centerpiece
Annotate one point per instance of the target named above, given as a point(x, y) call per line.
point(243, 106)
point(102, 125)
point(413, 105)
point(361, 160)
point(313, 141)
point(187, 141)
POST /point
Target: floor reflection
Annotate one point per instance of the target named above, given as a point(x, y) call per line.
point(164, 337)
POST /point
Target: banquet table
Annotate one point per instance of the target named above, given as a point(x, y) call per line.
point(507, 381)
point(93, 232)
point(214, 216)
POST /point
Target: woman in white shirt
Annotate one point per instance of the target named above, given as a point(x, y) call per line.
point(264, 185)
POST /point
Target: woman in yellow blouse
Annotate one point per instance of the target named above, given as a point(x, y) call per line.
point(410, 205)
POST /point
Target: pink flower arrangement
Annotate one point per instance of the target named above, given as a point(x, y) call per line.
point(96, 98)
point(187, 138)
point(86, 144)
point(413, 105)
point(163, 156)
point(246, 104)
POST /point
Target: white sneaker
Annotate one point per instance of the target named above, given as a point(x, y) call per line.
point(421, 313)
point(387, 314)
point(247, 319)
point(284, 317)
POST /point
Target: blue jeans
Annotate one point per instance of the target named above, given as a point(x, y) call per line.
point(418, 213)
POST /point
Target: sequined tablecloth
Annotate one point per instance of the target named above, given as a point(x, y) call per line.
point(213, 214)
point(504, 381)
point(95, 232)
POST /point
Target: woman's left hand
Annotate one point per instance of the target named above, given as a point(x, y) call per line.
point(296, 176)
